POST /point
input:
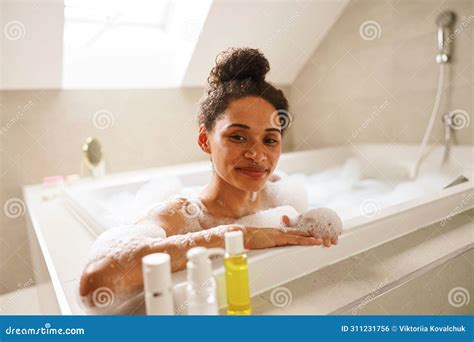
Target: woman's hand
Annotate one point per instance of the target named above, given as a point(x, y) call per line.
point(327, 228)
point(258, 238)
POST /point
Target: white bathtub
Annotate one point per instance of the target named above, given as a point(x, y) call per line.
point(273, 267)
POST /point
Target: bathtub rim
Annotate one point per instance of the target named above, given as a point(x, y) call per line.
point(339, 153)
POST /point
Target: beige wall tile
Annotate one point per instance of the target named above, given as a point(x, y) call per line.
point(347, 75)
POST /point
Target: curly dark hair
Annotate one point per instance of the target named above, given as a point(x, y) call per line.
point(239, 72)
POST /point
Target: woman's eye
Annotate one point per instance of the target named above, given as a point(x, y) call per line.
point(271, 141)
point(237, 138)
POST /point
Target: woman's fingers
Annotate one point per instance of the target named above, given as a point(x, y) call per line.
point(296, 231)
point(284, 239)
point(327, 242)
point(285, 220)
point(301, 240)
point(270, 237)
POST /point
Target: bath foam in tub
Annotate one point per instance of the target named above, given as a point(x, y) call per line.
point(121, 242)
point(290, 190)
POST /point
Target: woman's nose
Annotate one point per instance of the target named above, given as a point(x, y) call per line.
point(256, 154)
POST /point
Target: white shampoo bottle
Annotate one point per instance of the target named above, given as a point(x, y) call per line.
point(157, 284)
point(201, 289)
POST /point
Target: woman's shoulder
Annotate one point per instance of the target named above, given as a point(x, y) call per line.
point(171, 207)
point(175, 212)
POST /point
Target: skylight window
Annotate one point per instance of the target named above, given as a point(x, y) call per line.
point(129, 43)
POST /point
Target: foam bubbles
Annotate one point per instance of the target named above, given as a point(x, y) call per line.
point(270, 218)
point(289, 190)
point(122, 241)
point(320, 222)
point(344, 188)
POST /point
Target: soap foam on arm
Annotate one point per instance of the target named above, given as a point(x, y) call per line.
point(109, 280)
point(121, 242)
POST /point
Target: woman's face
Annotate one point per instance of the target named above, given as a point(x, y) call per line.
point(244, 145)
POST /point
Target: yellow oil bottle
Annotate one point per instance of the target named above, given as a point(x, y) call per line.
point(236, 275)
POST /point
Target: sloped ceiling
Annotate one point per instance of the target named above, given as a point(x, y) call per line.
point(287, 32)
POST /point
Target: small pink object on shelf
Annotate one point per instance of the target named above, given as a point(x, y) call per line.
point(50, 180)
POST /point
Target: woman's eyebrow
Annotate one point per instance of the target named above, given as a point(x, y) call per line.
point(238, 125)
point(273, 129)
point(247, 127)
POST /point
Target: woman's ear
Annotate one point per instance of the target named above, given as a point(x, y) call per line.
point(203, 140)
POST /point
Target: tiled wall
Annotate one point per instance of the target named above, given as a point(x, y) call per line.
point(374, 77)
point(44, 135)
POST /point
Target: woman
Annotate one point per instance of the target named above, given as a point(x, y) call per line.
point(242, 121)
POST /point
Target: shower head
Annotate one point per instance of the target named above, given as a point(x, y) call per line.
point(444, 21)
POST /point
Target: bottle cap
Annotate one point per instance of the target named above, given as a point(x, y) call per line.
point(199, 265)
point(234, 242)
point(157, 267)
point(197, 255)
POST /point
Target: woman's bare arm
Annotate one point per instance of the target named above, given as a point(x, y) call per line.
point(121, 273)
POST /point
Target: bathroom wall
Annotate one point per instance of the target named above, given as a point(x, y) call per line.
point(372, 79)
point(374, 76)
point(42, 133)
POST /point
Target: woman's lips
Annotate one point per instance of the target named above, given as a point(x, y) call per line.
point(256, 173)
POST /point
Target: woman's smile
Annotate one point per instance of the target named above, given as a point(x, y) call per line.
point(254, 172)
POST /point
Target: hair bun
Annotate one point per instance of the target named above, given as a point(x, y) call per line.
point(239, 64)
